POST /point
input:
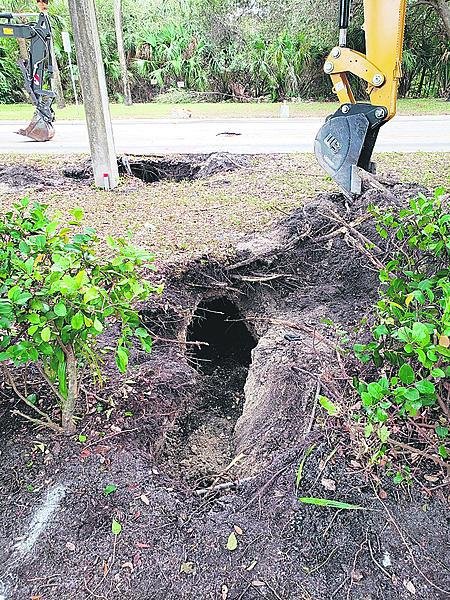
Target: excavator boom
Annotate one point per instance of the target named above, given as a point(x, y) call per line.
point(36, 69)
point(346, 141)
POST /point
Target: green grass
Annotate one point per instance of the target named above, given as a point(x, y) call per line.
point(225, 110)
point(205, 217)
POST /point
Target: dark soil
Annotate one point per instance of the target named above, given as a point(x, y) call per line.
point(238, 417)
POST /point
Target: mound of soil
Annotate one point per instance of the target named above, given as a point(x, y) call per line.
point(213, 438)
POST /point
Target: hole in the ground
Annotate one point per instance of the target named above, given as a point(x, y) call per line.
point(224, 339)
point(153, 170)
point(203, 440)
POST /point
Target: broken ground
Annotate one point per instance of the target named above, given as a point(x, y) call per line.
point(198, 462)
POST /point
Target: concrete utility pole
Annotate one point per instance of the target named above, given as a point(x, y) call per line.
point(95, 94)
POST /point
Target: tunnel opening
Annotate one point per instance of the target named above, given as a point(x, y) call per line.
point(220, 337)
point(220, 350)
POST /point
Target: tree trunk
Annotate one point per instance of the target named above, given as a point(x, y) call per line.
point(443, 7)
point(23, 50)
point(56, 80)
point(121, 51)
point(68, 408)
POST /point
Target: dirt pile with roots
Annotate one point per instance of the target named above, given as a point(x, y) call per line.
point(205, 437)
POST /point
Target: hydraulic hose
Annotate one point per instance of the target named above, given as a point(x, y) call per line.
point(344, 20)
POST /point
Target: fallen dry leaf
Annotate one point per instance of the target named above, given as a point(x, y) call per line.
point(386, 562)
point(258, 583)
point(329, 484)
point(431, 478)
point(224, 591)
point(444, 341)
point(252, 565)
point(128, 565)
point(238, 530)
point(410, 587)
point(70, 546)
point(382, 494)
point(232, 542)
point(145, 500)
point(188, 568)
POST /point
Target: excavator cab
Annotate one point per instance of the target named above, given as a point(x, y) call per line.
point(345, 143)
point(36, 70)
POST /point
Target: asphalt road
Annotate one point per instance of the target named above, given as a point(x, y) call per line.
point(240, 136)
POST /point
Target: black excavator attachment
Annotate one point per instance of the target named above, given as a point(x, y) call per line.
point(36, 70)
point(346, 141)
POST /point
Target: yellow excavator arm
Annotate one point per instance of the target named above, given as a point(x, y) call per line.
point(345, 143)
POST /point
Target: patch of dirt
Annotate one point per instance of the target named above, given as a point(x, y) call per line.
point(238, 417)
point(19, 177)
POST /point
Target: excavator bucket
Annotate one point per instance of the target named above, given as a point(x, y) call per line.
point(345, 143)
point(39, 129)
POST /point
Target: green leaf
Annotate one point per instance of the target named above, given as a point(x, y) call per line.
point(116, 527)
point(443, 452)
point(406, 374)
point(425, 387)
point(34, 319)
point(46, 334)
point(232, 542)
point(80, 279)
point(420, 334)
point(331, 408)
point(398, 478)
point(109, 489)
point(91, 293)
point(77, 214)
point(411, 394)
point(375, 390)
point(437, 373)
point(331, 503)
point(24, 247)
point(441, 432)
point(383, 434)
point(122, 359)
point(82, 438)
point(77, 321)
point(98, 326)
point(60, 309)
point(368, 430)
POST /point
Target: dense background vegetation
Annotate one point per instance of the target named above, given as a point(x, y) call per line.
point(241, 49)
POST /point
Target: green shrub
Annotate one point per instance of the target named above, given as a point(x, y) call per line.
point(410, 344)
point(57, 296)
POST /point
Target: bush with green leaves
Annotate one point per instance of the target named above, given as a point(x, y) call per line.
point(410, 345)
point(56, 297)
